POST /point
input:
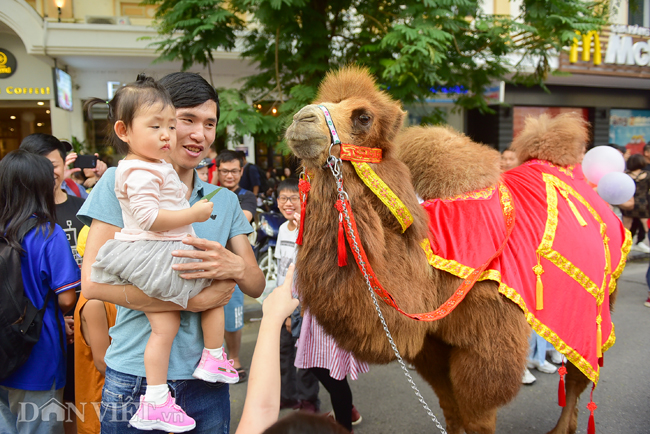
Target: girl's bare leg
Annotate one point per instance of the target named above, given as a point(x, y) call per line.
point(164, 327)
point(213, 323)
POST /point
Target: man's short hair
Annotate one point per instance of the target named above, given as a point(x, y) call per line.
point(43, 144)
point(290, 184)
point(189, 89)
point(227, 156)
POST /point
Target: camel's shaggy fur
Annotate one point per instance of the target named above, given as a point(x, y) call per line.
point(437, 159)
point(560, 140)
point(475, 357)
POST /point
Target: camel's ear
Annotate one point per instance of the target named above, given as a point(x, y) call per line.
point(396, 126)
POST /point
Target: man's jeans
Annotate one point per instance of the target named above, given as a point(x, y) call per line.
point(207, 403)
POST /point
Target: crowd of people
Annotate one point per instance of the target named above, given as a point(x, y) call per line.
point(141, 270)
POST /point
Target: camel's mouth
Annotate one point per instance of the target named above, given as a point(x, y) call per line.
point(308, 137)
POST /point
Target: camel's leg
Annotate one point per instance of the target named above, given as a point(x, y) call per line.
point(433, 364)
point(490, 337)
point(576, 383)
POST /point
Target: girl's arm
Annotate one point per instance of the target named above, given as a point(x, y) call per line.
point(262, 404)
point(131, 297)
point(172, 219)
point(142, 187)
point(94, 329)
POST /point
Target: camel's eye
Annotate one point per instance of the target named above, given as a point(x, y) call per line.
point(364, 119)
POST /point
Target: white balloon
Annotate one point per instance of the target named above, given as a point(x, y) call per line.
point(616, 188)
point(600, 161)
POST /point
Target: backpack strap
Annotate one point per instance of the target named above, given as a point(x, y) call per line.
point(27, 226)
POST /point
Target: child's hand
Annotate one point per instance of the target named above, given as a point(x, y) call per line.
point(202, 210)
point(280, 303)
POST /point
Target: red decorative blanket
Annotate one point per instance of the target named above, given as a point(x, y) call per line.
point(560, 264)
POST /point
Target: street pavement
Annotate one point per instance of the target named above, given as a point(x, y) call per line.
point(388, 404)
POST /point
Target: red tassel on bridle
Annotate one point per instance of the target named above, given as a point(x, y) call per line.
point(591, 428)
point(303, 188)
point(561, 392)
point(342, 253)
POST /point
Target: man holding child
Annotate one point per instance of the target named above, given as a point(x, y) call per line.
point(225, 255)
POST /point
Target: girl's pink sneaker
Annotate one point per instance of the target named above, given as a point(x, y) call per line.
point(213, 370)
point(168, 417)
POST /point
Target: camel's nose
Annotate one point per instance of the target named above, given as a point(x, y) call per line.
point(307, 114)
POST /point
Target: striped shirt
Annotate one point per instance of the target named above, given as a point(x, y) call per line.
point(317, 349)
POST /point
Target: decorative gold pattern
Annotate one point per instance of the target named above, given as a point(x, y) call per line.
point(360, 154)
point(553, 185)
point(485, 193)
point(545, 249)
point(384, 193)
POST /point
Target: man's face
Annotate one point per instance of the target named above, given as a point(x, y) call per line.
point(195, 132)
point(59, 168)
point(229, 174)
point(508, 160)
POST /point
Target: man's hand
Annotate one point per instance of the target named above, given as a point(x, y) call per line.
point(69, 329)
point(69, 159)
point(202, 210)
point(216, 295)
point(216, 262)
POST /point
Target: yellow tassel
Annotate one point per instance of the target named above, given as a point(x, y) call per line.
point(576, 213)
point(539, 288)
point(599, 337)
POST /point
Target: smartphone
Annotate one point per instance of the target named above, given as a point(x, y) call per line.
point(85, 162)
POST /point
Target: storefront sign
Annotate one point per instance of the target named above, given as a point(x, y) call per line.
point(11, 90)
point(630, 128)
point(627, 52)
point(8, 63)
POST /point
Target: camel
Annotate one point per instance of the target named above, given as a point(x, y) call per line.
point(474, 357)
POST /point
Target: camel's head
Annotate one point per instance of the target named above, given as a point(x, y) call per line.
point(362, 115)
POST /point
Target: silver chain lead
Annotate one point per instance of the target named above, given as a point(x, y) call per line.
point(334, 165)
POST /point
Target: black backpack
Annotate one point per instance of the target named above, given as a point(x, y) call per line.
point(20, 321)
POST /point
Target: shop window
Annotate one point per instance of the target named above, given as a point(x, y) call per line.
point(639, 13)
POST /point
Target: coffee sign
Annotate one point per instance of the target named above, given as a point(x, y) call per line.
point(8, 63)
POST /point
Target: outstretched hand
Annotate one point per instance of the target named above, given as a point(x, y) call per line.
point(280, 303)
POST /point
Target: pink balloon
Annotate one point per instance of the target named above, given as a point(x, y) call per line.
point(600, 161)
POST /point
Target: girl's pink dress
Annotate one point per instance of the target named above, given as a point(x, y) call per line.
point(317, 349)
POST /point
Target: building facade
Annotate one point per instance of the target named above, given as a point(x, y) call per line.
point(605, 77)
point(89, 48)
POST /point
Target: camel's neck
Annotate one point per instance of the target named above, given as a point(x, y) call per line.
point(338, 296)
